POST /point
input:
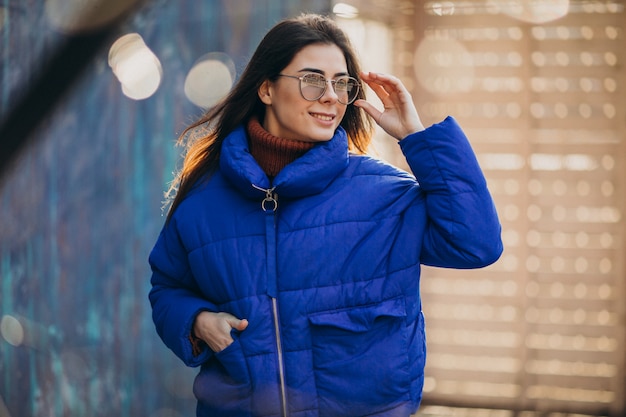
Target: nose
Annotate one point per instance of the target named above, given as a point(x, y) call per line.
point(329, 94)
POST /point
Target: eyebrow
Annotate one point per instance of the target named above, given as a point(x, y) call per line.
point(318, 71)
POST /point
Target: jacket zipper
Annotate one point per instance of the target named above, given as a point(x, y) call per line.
point(281, 366)
point(269, 205)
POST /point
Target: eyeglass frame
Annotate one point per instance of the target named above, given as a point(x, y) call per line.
point(332, 82)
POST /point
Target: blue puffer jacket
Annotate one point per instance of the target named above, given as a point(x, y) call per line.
point(329, 281)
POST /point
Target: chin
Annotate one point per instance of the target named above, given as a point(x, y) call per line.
point(324, 136)
point(319, 139)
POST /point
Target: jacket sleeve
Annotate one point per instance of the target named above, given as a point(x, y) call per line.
point(463, 230)
point(175, 298)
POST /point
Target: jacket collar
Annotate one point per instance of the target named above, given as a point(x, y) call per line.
point(310, 174)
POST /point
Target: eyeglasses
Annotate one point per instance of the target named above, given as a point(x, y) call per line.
point(313, 86)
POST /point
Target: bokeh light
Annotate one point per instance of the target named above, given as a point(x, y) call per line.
point(210, 79)
point(135, 66)
point(11, 330)
point(345, 11)
point(443, 8)
point(444, 66)
point(533, 11)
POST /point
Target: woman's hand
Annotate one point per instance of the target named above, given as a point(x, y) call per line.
point(214, 329)
point(399, 117)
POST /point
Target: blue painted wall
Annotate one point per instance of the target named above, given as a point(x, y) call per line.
point(81, 208)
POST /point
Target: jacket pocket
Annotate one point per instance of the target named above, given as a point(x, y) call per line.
point(223, 383)
point(360, 358)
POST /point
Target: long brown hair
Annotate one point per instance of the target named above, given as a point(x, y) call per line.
point(273, 54)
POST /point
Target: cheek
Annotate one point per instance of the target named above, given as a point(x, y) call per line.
point(290, 110)
point(288, 94)
point(291, 105)
point(341, 114)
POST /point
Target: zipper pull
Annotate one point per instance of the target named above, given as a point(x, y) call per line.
point(270, 202)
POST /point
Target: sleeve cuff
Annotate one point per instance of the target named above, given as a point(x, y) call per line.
point(197, 345)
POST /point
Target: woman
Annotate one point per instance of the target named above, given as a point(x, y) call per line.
point(288, 268)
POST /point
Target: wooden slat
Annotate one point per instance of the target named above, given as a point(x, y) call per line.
point(542, 330)
point(541, 107)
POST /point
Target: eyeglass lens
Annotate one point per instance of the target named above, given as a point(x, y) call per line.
point(314, 85)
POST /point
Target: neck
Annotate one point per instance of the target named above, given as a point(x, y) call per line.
point(271, 152)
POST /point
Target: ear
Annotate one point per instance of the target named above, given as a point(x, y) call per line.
point(265, 92)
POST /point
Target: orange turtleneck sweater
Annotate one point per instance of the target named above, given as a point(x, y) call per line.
point(273, 153)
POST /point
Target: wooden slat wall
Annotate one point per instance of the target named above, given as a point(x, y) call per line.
point(541, 332)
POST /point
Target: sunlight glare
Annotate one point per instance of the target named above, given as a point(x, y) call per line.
point(135, 66)
point(533, 11)
point(210, 79)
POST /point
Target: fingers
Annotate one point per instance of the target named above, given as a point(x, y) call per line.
point(215, 329)
point(389, 89)
point(237, 324)
point(399, 117)
point(376, 84)
point(369, 109)
point(383, 85)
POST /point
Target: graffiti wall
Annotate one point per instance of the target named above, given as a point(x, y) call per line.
point(82, 204)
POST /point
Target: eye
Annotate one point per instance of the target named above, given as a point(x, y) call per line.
point(314, 80)
point(343, 84)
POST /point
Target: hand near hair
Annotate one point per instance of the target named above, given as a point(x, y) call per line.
point(215, 328)
point(399, 117)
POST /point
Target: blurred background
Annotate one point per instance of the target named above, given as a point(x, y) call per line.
point(93, 94)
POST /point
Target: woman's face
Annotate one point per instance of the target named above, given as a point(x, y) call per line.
point(288, 115)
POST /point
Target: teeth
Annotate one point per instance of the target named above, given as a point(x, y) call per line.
point(325, 118)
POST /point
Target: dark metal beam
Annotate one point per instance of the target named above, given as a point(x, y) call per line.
point(50, 85)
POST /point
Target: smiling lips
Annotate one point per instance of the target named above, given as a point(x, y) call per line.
point(323, 117)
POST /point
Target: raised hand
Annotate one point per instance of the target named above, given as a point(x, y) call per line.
point(399, 117)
